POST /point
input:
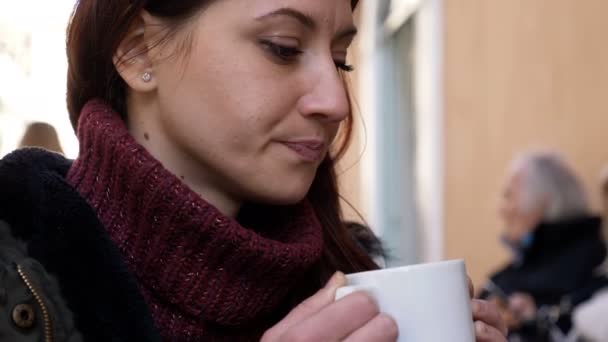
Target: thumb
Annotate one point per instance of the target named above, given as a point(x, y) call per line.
point(312, 305)
point(319, 300)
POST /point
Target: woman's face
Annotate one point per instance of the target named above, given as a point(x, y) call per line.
point(250, 110)
point(518, 221)
point(509, 207)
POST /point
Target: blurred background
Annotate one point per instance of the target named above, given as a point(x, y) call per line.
point(33, 70)
point(447, 92)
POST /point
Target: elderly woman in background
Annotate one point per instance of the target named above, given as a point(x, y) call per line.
point(556, 247)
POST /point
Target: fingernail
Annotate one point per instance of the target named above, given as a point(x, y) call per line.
point(336, 280)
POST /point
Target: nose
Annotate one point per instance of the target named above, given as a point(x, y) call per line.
point(327, 98)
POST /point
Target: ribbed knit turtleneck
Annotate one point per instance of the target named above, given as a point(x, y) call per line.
point(205, 276)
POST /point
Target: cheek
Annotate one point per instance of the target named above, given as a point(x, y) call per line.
point(233, 83)
point(507, 209)
point(212, 109)
point(333, 131)
point(244, 98)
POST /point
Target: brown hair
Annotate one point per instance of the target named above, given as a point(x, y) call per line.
point(96, 29)
point(40, 134)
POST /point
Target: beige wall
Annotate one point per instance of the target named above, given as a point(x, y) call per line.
point(519, 74)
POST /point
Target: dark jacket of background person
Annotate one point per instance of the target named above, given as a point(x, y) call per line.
point(558, 269)
point(57, 265)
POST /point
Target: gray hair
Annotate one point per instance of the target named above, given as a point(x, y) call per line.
point(549, 181)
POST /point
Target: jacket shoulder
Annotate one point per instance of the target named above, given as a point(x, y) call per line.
point(32, 180)
point(63, 235)
point(31, 166)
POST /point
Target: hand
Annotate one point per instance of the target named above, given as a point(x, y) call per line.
point(522, 306)
point(489, 325)
point(353, 318)
point(503, 308)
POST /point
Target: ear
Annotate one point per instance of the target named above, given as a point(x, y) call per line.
point(133, 59)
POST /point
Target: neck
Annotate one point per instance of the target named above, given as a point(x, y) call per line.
point(144, 126)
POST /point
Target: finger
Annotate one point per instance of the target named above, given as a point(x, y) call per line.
point(381, 328)
point(310, 306)
point(488, 313)
point(338, 320)
point(486, 333)
point(520, 301)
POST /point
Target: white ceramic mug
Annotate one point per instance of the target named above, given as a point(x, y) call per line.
point(430, 302)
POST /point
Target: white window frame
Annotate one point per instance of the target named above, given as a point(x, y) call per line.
point(409, 221)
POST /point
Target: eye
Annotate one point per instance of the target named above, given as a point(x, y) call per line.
point(282, 52)
point(343, 66)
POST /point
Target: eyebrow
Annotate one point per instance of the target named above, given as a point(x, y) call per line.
point(307, 21)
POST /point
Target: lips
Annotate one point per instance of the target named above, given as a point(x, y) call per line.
point(310, 151)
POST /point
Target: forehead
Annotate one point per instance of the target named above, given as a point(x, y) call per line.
point(328, 14)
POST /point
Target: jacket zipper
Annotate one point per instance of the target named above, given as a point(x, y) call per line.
point(48, 329)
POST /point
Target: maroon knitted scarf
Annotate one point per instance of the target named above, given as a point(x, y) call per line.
point(205, 276)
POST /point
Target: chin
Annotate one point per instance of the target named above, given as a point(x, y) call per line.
point(282, 196)
point(287, 199)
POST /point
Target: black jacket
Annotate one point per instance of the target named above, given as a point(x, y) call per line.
point(559, 270)
point(50, 236)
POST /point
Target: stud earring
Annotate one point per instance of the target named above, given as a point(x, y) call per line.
point(146, 77)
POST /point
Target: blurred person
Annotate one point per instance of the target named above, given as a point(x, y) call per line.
point(590, 317)
point(41, 134)
point(203, 204)
point(556, 249)
point(604, 193)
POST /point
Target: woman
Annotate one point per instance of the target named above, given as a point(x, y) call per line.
point(556, 248)
point(203, 204)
